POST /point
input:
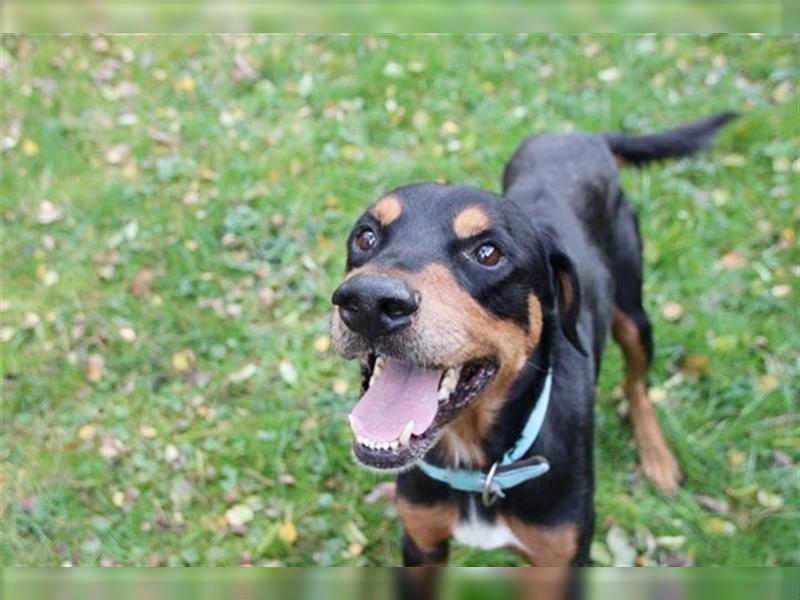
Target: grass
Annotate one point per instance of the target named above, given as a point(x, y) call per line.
point(229, 170)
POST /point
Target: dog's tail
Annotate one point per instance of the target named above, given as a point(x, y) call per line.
point(675, 143)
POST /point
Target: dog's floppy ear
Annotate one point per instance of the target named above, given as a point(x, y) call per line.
point(567, 294)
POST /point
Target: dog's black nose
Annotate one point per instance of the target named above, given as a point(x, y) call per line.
point(375, 305)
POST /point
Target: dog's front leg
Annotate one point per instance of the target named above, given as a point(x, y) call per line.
point(428, 527)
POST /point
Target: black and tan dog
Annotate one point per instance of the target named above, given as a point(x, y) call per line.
point(467, 308)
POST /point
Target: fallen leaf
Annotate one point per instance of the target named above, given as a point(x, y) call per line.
point(141, 283)
point(243, 374)
point(184, 84)
point(266, 297)
point(781, 291)
point(29, 147)
point(354, 549)
point(768, 383)
point(712, 504)
point(118, 153)
point(720, 526)
point(769, 500)
point(340, 387)
point(393, 70)
point(287, 372)
point(30, 320)
point(288, 533)
point(449, 128)
point(671, 542)
point(147, 431)
point(127, 334)
point(171, 453)
point(86, 432)
point(239, 515)
point(95, 368)
point(736, 458)
point(183, 361)
point(610, 74)
point(621, 548)
point(672, 311)
point(180, 493)
point(657, 394)
point(732, 260)
point(111, 447)
point(118, 498)
point(48, 213)
point(322, 343)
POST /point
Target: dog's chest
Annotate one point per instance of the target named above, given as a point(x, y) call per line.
point(478, 533)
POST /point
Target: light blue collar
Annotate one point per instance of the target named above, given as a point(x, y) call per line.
point(510, 470)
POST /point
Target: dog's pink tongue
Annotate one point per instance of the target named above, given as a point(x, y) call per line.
point(401, 393)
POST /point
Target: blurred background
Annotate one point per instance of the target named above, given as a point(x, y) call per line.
point(174, 210)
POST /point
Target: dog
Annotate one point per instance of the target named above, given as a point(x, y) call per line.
point(479, 322)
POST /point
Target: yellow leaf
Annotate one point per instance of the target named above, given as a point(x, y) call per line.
point(183, 361)
point(355, 549)
point(288, 533)
point(736, 458)
point(118, 498)
point(147, 431)
point(184, 84)
point(768, 500)
point(340, 387)
point(449, 128)
point(720, 526)
point(322, 343)
point(86, 432)
point(29, 147)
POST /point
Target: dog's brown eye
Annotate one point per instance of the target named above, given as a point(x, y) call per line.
point(488, 255)
point(366, 240)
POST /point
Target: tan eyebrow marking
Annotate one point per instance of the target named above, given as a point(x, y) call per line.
point(471, 221)
point(387, 210)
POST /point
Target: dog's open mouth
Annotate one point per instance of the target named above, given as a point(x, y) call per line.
point(404, 408)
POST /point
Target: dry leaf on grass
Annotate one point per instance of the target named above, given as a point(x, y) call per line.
point(672, 311)
point(95, 368)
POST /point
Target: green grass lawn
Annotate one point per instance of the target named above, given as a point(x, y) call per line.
point(174, 210)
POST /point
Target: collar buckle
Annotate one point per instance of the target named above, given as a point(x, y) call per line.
point(491, 491)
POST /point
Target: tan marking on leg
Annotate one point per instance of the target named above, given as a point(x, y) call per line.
point(546, 546)
point(387, 210)
point(658, 461)
point(471, 221)
point(427, 526)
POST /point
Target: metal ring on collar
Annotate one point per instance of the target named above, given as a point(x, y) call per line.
point(488, 495)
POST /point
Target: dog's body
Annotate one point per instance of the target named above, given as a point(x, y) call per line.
point(569, 270)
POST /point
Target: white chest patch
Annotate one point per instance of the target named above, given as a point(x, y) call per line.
point(478, 533)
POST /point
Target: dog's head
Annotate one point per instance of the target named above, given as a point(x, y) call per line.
point(447, 292)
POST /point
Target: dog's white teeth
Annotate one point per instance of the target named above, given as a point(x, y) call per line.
point(394, 444)
point(405, 437)
point(449, 383)
point(377, 369)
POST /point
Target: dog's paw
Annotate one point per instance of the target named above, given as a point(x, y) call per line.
point(661, 467)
